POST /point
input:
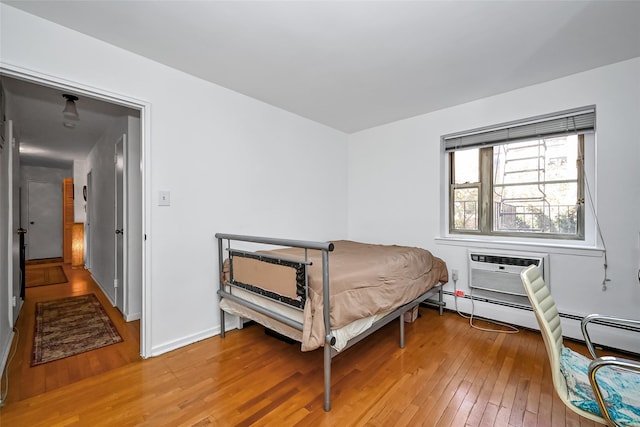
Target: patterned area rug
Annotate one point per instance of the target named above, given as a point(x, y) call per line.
point(41, 276)
point(70, 326)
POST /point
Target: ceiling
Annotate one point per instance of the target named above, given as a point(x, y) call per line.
point(350, 65)
point(44, 139)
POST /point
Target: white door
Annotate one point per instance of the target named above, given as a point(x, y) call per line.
point(44, 228)
point(88, 244)
point(120, 265)
point(15, 226)
point(9, 221)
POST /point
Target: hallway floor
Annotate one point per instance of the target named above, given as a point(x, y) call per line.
point(26, 381)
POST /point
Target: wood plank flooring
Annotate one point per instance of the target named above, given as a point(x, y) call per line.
point(447, 375)
point(26, 381)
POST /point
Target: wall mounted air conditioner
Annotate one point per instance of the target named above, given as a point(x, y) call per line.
point(496, 275)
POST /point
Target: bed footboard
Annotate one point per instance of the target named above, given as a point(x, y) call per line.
point(325, 247)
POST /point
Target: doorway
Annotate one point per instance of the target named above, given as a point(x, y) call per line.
point(141, 215)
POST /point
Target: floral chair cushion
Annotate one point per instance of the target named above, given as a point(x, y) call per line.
point(620, 388)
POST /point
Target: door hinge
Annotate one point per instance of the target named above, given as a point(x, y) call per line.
point(115, 283)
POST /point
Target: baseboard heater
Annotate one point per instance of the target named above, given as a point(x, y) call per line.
point(575, 317)
point(495, 276)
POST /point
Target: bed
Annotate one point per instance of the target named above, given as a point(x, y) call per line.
point(285, 284)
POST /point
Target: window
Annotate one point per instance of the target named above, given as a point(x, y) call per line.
point(520, 179)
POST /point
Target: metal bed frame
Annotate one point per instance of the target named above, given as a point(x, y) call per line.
point(325, 247)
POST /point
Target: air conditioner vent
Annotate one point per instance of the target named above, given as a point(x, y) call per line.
point(496, 276)
point(505, 260)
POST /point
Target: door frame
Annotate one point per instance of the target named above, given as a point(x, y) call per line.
point(88, 237)
point(6, 213)
point(145, 153)
point(120, 212)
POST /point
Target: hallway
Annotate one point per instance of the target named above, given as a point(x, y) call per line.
point(26, 381)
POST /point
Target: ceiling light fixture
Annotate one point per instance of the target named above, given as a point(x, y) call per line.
point(70, 111)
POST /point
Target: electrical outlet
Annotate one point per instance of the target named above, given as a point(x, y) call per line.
point(454, 274)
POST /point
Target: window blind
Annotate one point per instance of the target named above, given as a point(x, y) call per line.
point(570, 122)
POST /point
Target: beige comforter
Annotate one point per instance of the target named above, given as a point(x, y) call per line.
point(365, 280)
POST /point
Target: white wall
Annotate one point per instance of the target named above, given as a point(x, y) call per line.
point(6, 321)
point(232, 164)
point(396, 181)
point(9, 223)
point(100, 162)
point(14, 250)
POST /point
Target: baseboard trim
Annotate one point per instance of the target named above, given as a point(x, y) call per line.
point(103, 289)
point(185, 341)
point(6, 350)
point(132, 317)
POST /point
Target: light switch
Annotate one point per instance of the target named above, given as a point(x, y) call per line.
point(164, 198)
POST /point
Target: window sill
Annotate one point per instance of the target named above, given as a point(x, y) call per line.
point(550, 247)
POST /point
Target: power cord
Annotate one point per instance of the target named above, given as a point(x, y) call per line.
point(605, 279)
point(5, 393)
point(510, 328)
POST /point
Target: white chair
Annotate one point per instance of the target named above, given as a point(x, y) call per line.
point(605, 389)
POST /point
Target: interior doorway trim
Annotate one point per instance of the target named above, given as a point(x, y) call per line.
point(145, 150)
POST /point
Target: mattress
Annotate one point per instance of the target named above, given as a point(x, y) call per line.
point(366, 282)
point(341, 335)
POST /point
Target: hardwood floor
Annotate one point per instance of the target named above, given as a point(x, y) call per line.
point(26, 381)
point(447, 375)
